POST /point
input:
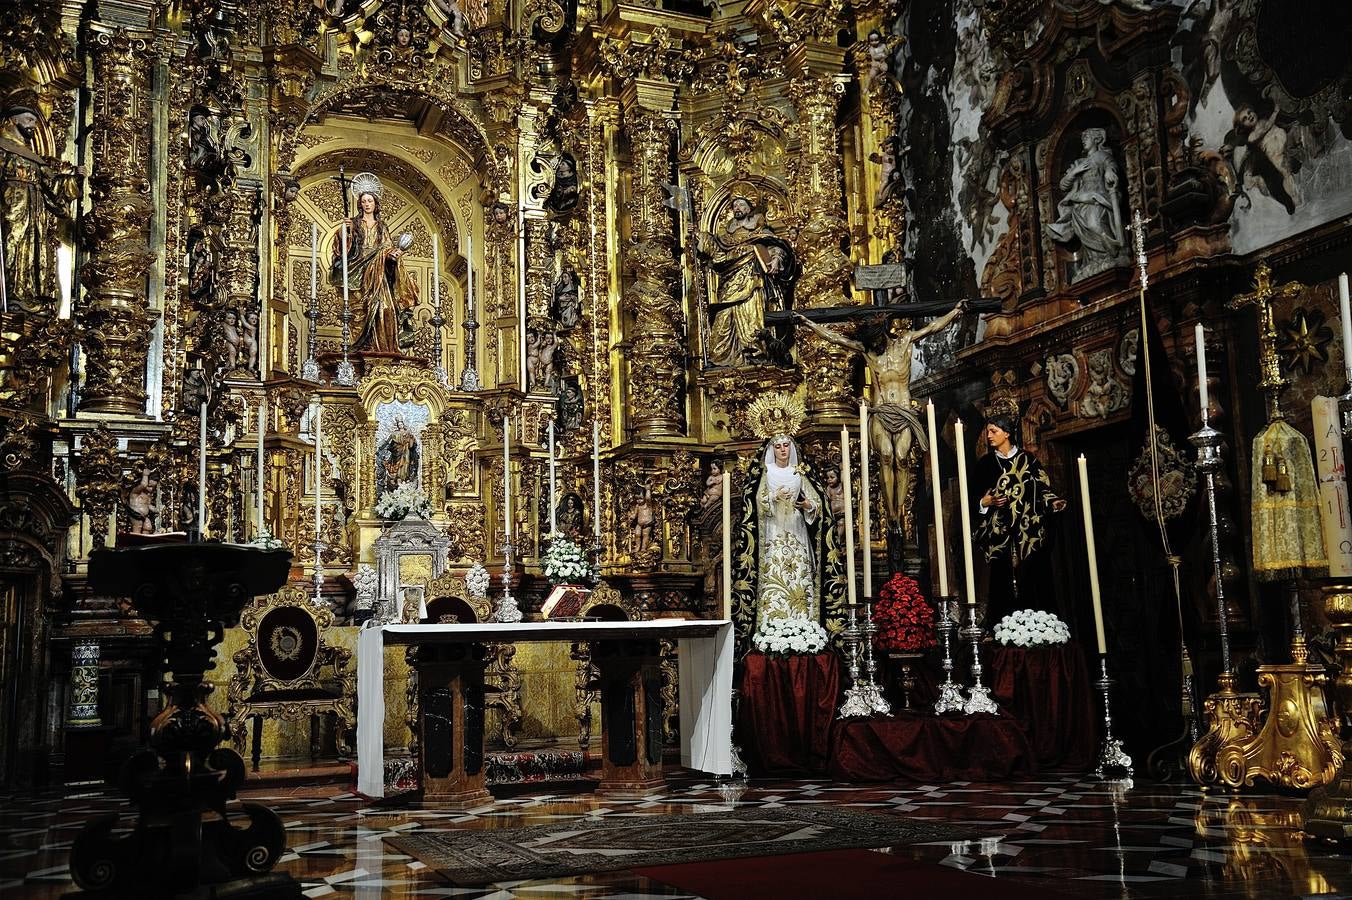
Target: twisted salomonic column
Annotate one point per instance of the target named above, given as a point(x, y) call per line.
point(656, 382)
point(115, 319)
point(816, 180)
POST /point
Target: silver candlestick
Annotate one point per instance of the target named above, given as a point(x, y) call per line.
point(856, 702)
point(469, 379)
point(310, 370)
point(874, 693)
point(1208, 443)
point(437, 322)
point(345, 375)
point(1112, 758)
point(950, 694)
point(507, 610)
point(979, 698)
point(319, 572)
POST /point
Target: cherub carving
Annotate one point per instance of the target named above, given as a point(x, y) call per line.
point(1257, 150)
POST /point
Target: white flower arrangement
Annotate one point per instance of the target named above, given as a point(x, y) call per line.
point(566, 563)
point(404, 501)
point(1031, 628)
point(790, 634)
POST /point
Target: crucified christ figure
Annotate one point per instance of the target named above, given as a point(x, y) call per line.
point(894, 426)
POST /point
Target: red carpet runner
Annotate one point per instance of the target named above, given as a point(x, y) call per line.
point(837, 874)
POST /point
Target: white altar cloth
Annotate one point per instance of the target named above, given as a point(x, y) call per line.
point(705, 659)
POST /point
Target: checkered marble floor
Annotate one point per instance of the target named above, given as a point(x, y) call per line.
point(1072, 837)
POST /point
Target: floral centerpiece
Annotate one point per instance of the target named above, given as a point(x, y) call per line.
point(566, 563)
point(404, 501)
point(786, 635)
point(1031, 628)
point(905, 621)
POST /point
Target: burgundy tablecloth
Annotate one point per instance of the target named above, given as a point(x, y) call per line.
point(785, 709)
point(1047, 689)
point(921, 746)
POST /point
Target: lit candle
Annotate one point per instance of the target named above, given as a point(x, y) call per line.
point(727, 545)
point(1346, 314)
point(846, 483)
point(596, 479)
point(940, 548)
point(202, 472)
point(960, 438)
point(319, 470)
point(262, 427)
point(1200, 334)
point(314, 260)
point(865, 513)
point(1093, 556)
point(507, 479)
point(553, 485)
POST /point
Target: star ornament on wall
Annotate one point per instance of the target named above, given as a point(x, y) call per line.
point(1305, 340)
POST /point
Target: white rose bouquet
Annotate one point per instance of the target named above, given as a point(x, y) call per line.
point(404, 501)
point(1031, 628)
point(790, 634)
point(566, 563)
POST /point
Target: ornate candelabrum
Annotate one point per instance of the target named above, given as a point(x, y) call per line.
point(1112, 758)
point(507, 610)
point(950, 693)
point(320, 547)
point(469, 378)
point(857, 702)
point(979, 698)
point(310, 370)
point(872, 691)
point(1230, 716)
point(186, 840)
point(346, 375)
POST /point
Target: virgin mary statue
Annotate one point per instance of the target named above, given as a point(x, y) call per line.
point(786, 561)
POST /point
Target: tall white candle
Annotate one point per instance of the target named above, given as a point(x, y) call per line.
point(314, 260)
point(258, 482)
point(202, 472)
point(344, 230)
point(436, 269)
point(469, 268)
point(319, 469)
point(507, 478)
point(1346, 314)
point(553, 485)
point(726, 612)
point(846, 482)
point(960, 439)
point(596, 479)
point(1200, 334)
point(1093, 556)
point(940, 547)
point(865, 501)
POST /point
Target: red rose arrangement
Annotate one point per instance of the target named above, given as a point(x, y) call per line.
point(905, 621)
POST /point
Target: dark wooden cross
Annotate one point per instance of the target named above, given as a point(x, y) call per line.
point(343, 182)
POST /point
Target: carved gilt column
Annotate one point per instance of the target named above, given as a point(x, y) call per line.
point(816, 179)
point(656, 379)
point(115, 319)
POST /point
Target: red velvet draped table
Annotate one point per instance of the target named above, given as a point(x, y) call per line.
point(921, 746)
point(785, 709)
point(1048, 690)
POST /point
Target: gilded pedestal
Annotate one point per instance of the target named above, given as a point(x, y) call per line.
point(1328, 812)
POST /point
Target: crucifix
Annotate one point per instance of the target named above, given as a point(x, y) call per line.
point(343, 182)
point(894, 426)
point(1261, 298)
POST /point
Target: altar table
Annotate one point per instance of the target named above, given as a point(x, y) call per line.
point(451, 678)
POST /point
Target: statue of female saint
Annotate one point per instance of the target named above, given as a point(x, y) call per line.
point(379, 286)
point(1090, 211)
point(787, 562)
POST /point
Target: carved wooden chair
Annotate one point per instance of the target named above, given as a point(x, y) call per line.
point(287, 671)
point(502, 680)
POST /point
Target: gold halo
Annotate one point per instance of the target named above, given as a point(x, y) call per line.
point(774, 414)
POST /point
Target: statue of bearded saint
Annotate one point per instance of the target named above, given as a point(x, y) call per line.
point(34, 193)
point(755, 271)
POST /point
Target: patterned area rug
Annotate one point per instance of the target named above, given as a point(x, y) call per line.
point(472, 857)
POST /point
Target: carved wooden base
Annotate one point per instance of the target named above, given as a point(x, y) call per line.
point(451, 725)
point(630, 676)
point(1298, 747)
point(1232, 718)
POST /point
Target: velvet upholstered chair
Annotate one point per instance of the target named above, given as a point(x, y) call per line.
point(289, 671)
